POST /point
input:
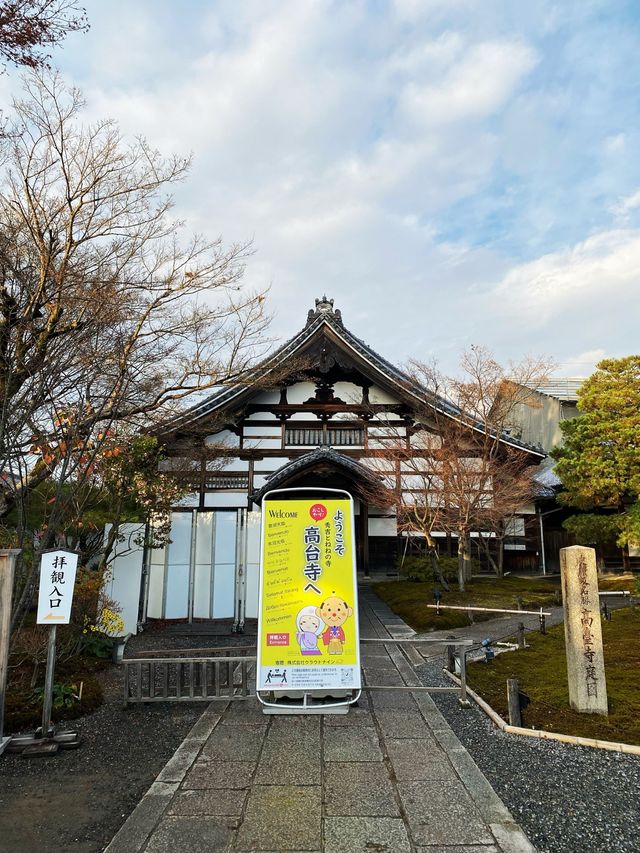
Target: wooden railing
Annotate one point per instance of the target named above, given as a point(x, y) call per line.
point(222, 480)
point(332, 436)
point(200, 679)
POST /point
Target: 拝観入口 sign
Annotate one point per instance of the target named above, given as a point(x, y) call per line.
point(308, 620)
point(57, 578)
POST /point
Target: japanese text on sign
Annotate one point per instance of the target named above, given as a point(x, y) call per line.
point(57, 579)
point(586, 623)
point(308, 631)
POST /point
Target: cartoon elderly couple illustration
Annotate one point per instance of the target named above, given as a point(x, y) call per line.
point(326, 621)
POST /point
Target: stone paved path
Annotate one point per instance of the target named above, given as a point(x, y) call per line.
point(388, 776)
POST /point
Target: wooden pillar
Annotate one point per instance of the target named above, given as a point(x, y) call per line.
point(364, 520)
point(7, 564)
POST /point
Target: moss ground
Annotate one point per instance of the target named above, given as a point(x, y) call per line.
point(409, 599)
point(541, 671)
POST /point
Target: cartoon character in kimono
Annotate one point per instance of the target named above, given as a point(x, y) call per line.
point(334, 612)
point(309, 627)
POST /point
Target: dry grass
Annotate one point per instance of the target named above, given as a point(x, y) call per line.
point(542, 674)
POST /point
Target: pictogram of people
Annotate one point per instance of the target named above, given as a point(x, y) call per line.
point(309, 626)
point(334, 612)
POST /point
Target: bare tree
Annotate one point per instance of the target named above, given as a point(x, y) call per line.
point(109, 313)
point(457, 472)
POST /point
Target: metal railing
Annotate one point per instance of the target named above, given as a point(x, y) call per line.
point(203, 679)
point(541, 614)
point(187, 654)
point(192, 679)
point(451, 644)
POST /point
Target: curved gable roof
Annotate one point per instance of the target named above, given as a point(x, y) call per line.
point(324, 320)
point(319, 456)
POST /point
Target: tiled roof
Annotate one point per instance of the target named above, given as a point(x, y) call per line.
point(562, 388)
point(547, 482)
point(324, 315)
point(309, 460)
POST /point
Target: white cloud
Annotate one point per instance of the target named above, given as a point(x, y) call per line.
point(475, 86)
point(598, 272)
point(626, 205)
point(404, 158)
point(582, 364)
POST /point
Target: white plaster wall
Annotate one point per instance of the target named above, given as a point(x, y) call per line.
point(377, 395)
point(425, 440)
point(156, 587)
point(412, 481)
point(303, 416)
point(383, 527)
point(471, 463)
point(240, 465)
point(514, 527)
point(192, 500)
point(266, 443)
point(266, 397)
point(387, 431)
point(225, 499)
point(274, 430)
point(300, 392)
point(202, 568)
point(262, 416)
point(124, 577)
point(179, 463)
point(375, 443)
point(225, 438)
point(348, 391)
point(390, 417)
point(270, 464)
point(415, 467)
point(253, 564)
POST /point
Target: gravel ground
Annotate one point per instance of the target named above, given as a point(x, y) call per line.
point(566, 798)
point(76, 800)
point(180, 637)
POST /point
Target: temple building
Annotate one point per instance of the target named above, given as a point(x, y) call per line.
point(318, 412)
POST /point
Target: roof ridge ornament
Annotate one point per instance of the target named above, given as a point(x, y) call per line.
point(324, 308)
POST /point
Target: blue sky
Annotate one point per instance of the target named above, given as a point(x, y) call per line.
point(450, 171)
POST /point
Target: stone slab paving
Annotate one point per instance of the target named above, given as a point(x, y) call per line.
point(389, 776)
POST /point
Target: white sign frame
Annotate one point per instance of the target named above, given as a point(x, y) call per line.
point(305, 707)
point(55, 595)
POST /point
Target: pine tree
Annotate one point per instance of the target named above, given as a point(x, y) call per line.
point(599, 463)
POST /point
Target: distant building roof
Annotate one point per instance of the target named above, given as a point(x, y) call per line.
point(546, 480)
point(562, 388)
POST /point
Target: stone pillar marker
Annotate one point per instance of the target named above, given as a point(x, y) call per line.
point(583, 630)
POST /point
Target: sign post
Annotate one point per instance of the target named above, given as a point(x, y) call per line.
point(55, 595)
point(308, 639)
point(583, 630)
point(7, 566)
